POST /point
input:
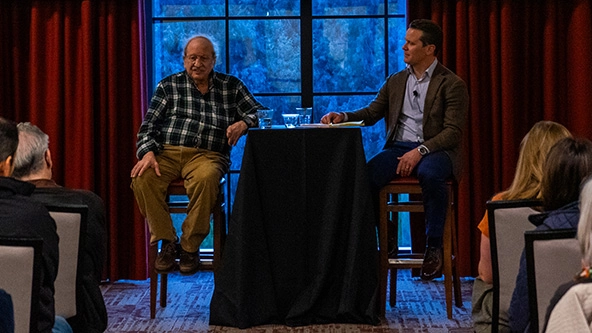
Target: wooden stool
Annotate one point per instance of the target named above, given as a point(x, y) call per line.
point(410, 185)
point(177, 188)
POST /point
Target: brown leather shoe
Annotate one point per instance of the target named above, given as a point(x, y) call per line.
point(189, 262)
point(432, 264)
point(165, 261)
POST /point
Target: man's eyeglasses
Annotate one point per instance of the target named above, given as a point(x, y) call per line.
point(193, 58)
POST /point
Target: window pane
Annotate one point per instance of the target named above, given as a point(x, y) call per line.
point(265, 54)
point(397, 32)
point(347, 7)
point(372, 136)
point(185, 8)
point(263, 8)
point(397, 7)
point(170, 40)
point(348, 55)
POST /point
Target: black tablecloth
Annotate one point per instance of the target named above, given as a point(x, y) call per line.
point(302, 245)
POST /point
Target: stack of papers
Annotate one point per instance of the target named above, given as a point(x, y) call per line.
point(345, 124)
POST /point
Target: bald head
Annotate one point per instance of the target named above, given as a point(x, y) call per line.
point(205, 42)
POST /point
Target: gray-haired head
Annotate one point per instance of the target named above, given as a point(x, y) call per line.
point(30, 154)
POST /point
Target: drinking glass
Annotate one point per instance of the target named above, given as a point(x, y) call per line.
point(265, 117)
point(304, 115)
point(290, 119)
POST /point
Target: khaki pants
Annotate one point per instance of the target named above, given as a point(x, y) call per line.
point(202, 170)
point(482, 309)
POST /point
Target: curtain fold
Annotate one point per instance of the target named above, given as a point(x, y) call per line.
point(75, 69)
point(523, 61)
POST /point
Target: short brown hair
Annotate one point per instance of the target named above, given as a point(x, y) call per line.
point(431, 33)
point(568, 163)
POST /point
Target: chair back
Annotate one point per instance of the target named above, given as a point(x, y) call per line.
point(20, 276)
point(71, 225)
point(553, 257)
point(508, 220)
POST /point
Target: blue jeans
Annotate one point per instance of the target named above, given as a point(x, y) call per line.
point(432, 171)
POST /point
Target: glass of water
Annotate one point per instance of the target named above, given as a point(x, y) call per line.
point(304, 115)
point(290, 119)
point(265, 117)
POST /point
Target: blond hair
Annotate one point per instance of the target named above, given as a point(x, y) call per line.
point(533, 151)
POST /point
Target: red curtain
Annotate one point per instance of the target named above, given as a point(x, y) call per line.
point(523, 61)
point(76, 70)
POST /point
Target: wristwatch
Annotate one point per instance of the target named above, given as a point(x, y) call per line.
point(423, 150)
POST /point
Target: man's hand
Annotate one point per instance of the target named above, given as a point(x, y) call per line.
point(148, 161)
point(235, 131)
point(407, 162)
point(332, 118)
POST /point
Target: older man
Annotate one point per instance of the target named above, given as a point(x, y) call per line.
point(194, 118)
point(21, 216)
point(33, 164)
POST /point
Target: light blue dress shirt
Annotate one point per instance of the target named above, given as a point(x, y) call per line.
point(410, 124)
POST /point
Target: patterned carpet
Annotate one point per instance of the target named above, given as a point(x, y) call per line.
point(420, 308)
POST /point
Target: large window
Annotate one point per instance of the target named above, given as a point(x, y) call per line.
point(329, 55)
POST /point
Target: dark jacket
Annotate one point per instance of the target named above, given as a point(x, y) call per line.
point(21, 216)
point(91, 312)
point(565, 217)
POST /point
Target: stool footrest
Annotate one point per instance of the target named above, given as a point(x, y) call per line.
point(402, 203)
point(405, 262)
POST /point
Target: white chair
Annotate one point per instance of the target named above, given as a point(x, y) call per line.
point(553, 257)
point(508, 220)
point(23, 279)
point(71, 225)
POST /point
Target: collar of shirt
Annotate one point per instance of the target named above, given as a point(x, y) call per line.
point(427, 74)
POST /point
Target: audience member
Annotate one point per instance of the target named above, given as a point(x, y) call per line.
point(189, 135)
point(6, 312)
point(21, 216)
point(526, 185)
point(568, 163)
point(425, 107)
point(570, 309)
point(33, 164)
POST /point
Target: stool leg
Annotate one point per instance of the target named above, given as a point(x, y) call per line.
point(153, 279)
point(163, 289)
point(448, 267)
point(393, 271)
point(383, 245)
point(393, 287)
point(455, 276)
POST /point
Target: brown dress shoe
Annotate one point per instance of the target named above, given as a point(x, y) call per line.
point(165, 261)
point(189, 262)
point(432, 264)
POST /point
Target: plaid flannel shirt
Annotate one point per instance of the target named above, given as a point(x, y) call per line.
point(180, 115)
